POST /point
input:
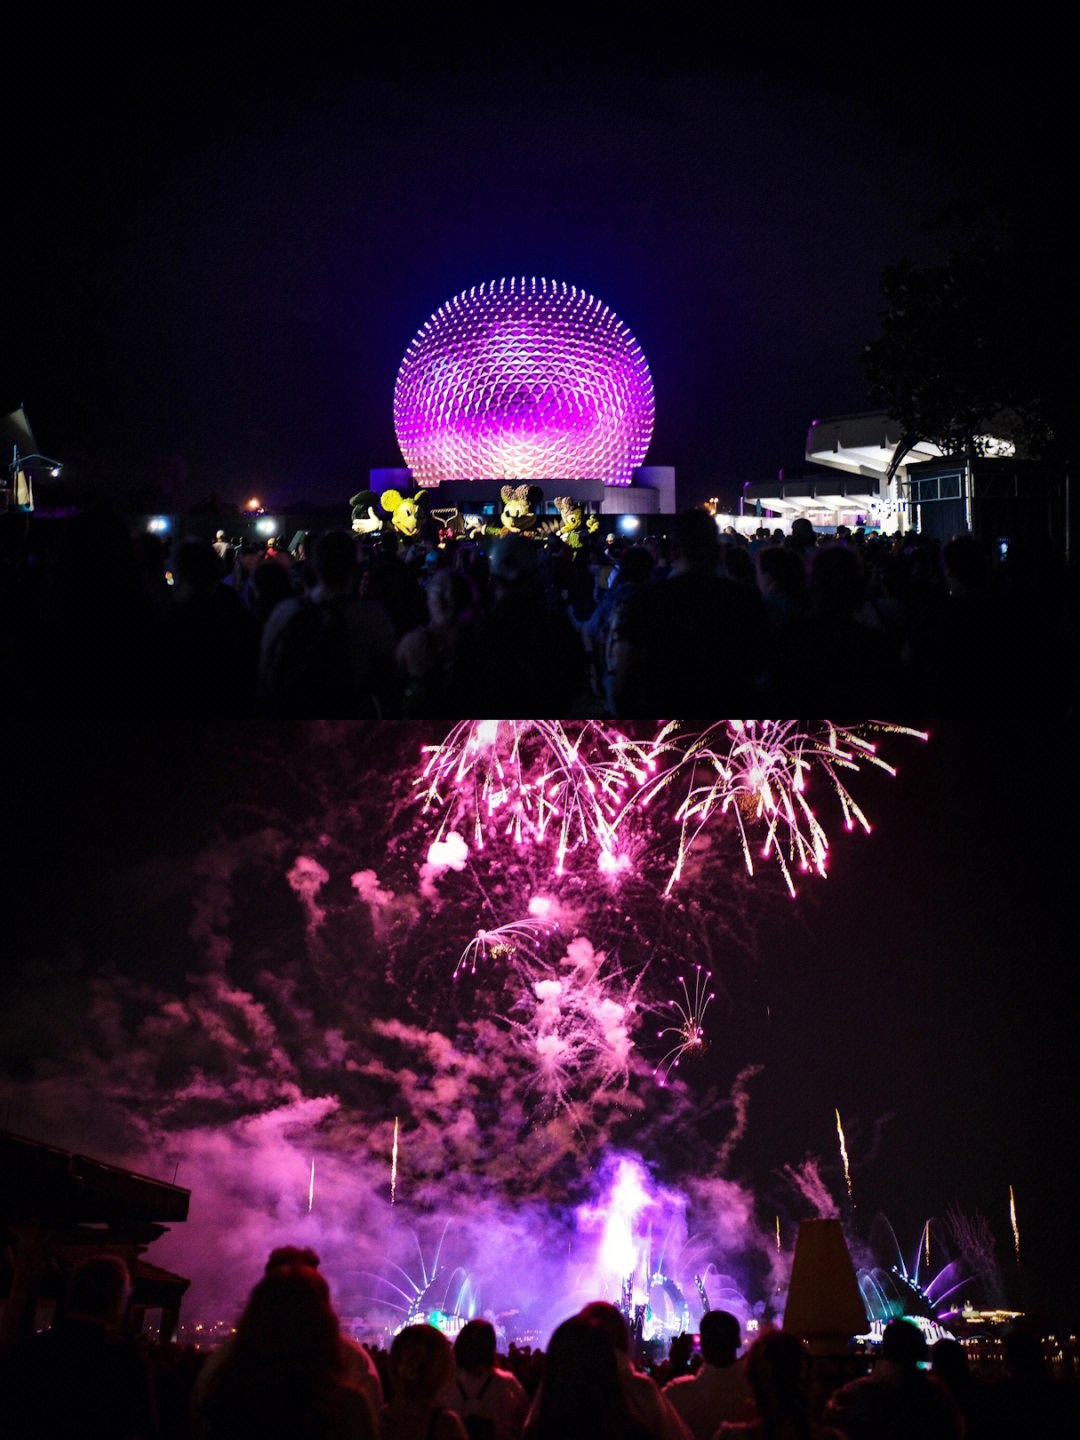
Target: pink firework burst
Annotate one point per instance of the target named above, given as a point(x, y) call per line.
point(534, 781)
point(756, 772)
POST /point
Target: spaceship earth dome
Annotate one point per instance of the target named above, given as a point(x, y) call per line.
point(523, 379)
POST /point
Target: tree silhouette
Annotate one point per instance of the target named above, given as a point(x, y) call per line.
point(984, 344)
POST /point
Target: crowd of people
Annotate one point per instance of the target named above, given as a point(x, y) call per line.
point(288, 1370)
point(379, 627)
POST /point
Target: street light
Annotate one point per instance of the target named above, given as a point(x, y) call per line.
point(22, 491)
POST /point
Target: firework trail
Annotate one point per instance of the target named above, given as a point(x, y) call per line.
point(688, 1029)
point(393, 1165)
point(844, 1157)
point(806, 1178)
point(1015, 1227)
point(778, 1234)
point(311, 1185)
point(975, 1240)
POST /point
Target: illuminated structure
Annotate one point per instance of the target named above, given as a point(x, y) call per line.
point(444, 1296)
point(521, 379)
point(853, 477)
point(899, 1291)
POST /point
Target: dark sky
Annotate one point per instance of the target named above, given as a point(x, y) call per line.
point(226, 234)
point(169, 1005)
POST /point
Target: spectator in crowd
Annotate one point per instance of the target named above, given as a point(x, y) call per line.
point(82, 1380)
point(644, 1399)
point(329, 655)
point(356, 1364)
point(437, 661)
point(845, 663)
point(393, 583)
point(1026, 1401)
point(580, 1397)
point(153, 558)
point(719, 1390)
point(93, 640)
point(802, 537)
point(241, 578)
point(777, 1369)
point(630, 574)
point(277, 552)
point(957, 650)
point(781, 579)
point(737, 561)
point(491, 1402)
point(284, 1373)
point(681, 1360)
point(949, 1362)
point(685, 644)
point(584, 579)
point(897, 1397)
point(272, 583)
point(211, 641)
point(533, 662)
point(421, 1366)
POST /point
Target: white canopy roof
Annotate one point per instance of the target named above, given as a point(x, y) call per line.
point(863, 444)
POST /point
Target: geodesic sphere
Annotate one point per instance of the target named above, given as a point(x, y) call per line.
point(523, 380)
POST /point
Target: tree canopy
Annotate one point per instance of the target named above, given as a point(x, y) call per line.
point(983, 344)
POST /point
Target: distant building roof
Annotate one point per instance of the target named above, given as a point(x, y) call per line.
point(59, 1189)
point(863, 444)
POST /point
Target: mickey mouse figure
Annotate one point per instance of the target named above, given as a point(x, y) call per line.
point(574, 525)
point(406, 512)
point(520, 505)
point(365, 519)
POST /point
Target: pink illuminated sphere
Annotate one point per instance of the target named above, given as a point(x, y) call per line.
point(523, 379)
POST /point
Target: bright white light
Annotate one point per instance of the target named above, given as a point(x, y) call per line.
point(267, 527)
point(989, 444)
point(157, 524)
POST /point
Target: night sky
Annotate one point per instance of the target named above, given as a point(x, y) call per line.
point(230, 953)
point(224, 235)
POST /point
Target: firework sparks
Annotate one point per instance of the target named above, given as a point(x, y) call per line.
point(844, 1157)
point(505, 942)
point(1012, 1220)
point(529, 780)
point(368, 1022)
point(756, 771)
point(579, 1021)
point(393, 1165)
point(689, 1029)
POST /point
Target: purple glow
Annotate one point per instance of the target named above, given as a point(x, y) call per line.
point(523, 380)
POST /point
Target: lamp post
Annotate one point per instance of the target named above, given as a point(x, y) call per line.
point(22, 491)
